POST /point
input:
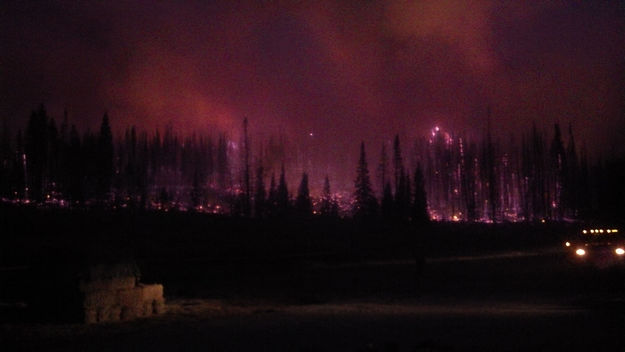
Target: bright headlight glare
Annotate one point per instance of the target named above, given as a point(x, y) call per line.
point(580, 252)
point(567, 243)
point(619, 251)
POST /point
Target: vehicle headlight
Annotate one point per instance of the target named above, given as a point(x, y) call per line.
point(619, 251)
point(567, 243)
point(580, 252)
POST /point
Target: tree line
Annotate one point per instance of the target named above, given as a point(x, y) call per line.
point(50, 164)
point(536, 178)
point(443, 176)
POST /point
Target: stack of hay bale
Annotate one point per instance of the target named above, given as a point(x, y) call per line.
point(112, 293)
point(73, 287)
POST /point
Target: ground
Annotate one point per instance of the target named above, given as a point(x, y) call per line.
point(316, 285)
point(504, 301)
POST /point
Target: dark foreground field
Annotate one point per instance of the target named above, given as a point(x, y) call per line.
point(323, 287)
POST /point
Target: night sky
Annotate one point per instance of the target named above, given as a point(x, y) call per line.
point(343, 71)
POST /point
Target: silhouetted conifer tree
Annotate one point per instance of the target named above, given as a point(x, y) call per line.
point(76, 166)
point(188, 164)
point(303, 204)
point(196, 190)
point(557, 174)
point(398, 165)
point(539, 191)
point(130, 167)
point(402, 197)
point(570, 191)
point(468, 179)
point(223, 172)
point(6, 161)
point(104, 172)
point(36, 150)
point(388, 203)
point(365, 204)
point(164, 197)
point(246, 204)
point(272, 198)
point(282, 195)
point(489, 170)
point(419, 205)
point(19, 173)
point(260, 207)
point(329, 207)
point(143, 182)
point(408, 195)
point(52, 166)
point(63, 157)
point(156, 151)
point(383, 169)
point(209, 161)
point(89, 156)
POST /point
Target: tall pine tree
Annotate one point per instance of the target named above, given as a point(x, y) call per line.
point(260, 196)
point(419, 205)
point(282, 195)
point(303, 204)
point(365, 204)
point(105, 159)
point(329, 207)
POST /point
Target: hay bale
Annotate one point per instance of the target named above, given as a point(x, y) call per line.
point(115, 313)
point(99, 299)
point(90, 316)
point(158, 307)
point(153, 300)
point(124, 304)
point(152, 292)
point(128, 313)
point(129, 297)
point(146, 309)
point(130, 301)
point(103, 313)
point(109, 293)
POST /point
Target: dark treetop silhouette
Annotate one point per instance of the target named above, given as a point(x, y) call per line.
point(455, 177)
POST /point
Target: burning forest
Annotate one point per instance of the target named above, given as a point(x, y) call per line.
point(536, 175)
